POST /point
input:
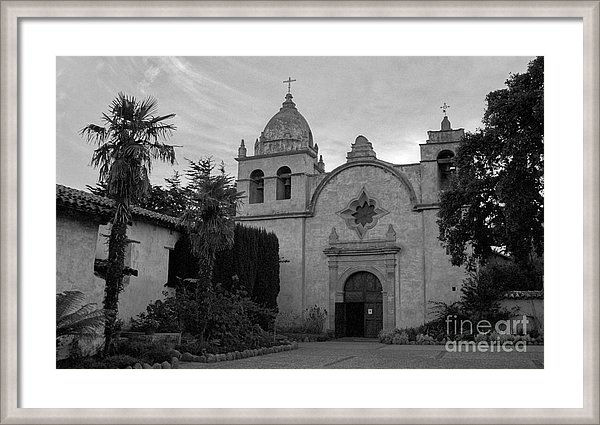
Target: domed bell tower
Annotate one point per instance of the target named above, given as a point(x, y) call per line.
point(275, 179)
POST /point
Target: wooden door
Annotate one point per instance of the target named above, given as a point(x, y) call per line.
point(373, 319)
point(364, 288)
point(340, 320)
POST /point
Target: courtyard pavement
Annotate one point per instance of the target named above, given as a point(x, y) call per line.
point(370, 354)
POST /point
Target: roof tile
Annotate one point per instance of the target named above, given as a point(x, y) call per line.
point(78, 200)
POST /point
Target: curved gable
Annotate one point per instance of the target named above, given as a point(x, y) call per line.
point(362, 163)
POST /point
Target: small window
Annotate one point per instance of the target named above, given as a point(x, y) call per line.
point(446, 168)
point(171, 268)
point(284, 183)
point(257, 187)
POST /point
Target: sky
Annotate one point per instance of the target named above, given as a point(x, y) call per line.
point(218, 101)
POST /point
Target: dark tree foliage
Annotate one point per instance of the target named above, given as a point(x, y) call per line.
point(251, 265)
point(170, 199)
point(266, 287)
point(496, 196)
point(209, 216)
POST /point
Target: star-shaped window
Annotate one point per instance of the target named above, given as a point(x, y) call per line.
point(362, 213)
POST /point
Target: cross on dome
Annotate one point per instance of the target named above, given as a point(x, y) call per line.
point(289, 82)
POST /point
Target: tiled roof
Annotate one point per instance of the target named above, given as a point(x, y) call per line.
point(78, 200)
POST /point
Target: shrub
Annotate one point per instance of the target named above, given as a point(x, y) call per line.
point(254, 340)
point(386, 336)
point(160, 316)
point(438, 327)
point(400, 339)
point(508, 276)
point(234, 317)
point(480, 297)
point(209, 313)
point(289, 322)
point(145, 351)
point(119, 361)
point(307, 337)
point(315, 319)
point(111, 362)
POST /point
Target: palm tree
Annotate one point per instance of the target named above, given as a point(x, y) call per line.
point(77, 320)
point(208, 220)
point(132, 136)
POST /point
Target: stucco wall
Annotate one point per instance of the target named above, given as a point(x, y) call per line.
point(149, 255)
point(440, 274)
point(413, 173)
point(533, 308)
point(75, 253)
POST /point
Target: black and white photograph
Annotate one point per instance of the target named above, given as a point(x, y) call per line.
point(300, 212)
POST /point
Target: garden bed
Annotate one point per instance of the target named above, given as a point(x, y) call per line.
point(409, 337)
point(172, 358)
point(236, 355)
point(308, 337)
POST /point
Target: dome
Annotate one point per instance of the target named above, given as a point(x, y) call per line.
point(288, 125)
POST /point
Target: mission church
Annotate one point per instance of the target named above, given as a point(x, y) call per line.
point(360, 240)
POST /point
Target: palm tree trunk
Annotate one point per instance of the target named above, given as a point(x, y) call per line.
point(205, 274)
point(114, 279)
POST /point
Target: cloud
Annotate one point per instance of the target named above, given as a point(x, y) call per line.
point(393, 101)
point(149, 76)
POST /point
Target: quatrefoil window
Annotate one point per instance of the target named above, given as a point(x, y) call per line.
point(362, 213)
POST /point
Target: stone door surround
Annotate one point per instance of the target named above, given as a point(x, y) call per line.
point(377, 256)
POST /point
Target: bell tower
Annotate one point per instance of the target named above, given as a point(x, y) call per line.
point(437, 158)
point(275, 179)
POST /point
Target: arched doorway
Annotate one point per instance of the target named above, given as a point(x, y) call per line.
point(361, 313)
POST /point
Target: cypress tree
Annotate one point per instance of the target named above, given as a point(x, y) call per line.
point(251, 264)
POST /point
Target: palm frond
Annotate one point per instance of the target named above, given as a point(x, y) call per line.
point(158, 132)
point(146, 108)
point(161, 118)
point(67, 302)
point(74, 319)
point(94, 133)
point(127, 146)
point(162, 152)
point(103, 158)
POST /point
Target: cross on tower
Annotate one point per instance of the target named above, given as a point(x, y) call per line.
point(289, 82)
point(444, 108)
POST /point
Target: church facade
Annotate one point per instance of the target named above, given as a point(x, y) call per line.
point(361, 240)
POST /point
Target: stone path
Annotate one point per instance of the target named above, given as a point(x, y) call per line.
point(367, 354)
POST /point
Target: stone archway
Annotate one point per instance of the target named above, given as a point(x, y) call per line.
point(361, 312)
